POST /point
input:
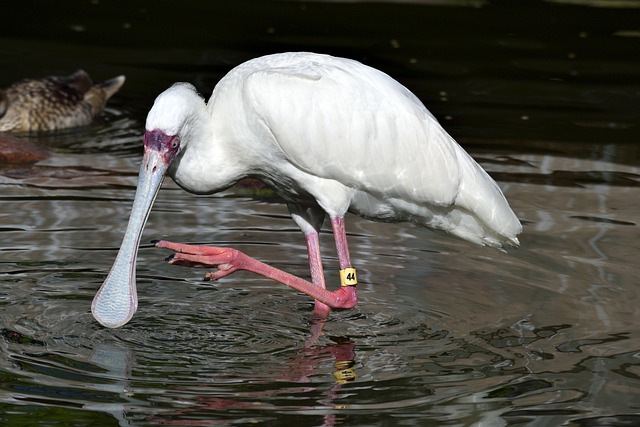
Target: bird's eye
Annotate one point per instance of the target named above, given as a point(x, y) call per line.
point(174, 143)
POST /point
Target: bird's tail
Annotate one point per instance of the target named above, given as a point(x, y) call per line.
point(111, 86)
point(487, 215)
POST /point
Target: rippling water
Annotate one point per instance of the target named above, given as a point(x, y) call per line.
point(445, 333)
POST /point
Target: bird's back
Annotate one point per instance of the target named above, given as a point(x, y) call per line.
point(339, 120)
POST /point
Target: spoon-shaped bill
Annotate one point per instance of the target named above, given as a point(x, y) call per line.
point(116, 301)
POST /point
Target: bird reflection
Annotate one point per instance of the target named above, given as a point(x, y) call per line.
point(119, 364)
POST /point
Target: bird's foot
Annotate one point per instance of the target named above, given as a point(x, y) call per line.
point(226, 260)
point(320, 311)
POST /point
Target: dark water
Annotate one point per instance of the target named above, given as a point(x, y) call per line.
point(544, 94)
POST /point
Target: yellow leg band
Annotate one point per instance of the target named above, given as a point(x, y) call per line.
point(345, 372)
point(344, 376)
point(348, 277)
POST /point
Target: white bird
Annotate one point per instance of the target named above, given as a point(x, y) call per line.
point(331, 136)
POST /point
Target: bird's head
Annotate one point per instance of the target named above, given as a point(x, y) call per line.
point(170, 123)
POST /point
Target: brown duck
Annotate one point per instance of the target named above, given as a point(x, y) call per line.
point(53, 103)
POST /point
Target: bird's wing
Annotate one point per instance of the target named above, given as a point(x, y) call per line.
point(351, 123)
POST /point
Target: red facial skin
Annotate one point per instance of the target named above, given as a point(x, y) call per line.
point(168, 145)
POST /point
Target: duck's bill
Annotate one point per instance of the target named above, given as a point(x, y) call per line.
point(116, 301)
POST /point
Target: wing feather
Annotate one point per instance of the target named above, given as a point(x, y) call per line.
point(358, 126)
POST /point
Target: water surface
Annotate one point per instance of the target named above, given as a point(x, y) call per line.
point(544, 95)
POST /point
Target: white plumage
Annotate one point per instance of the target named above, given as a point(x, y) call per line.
point(331, 135)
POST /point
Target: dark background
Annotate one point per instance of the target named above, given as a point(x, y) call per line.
point(499, 70)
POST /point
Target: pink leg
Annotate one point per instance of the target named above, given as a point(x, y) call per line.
point(228, 260)
point(340, 234)
point(320, 310)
